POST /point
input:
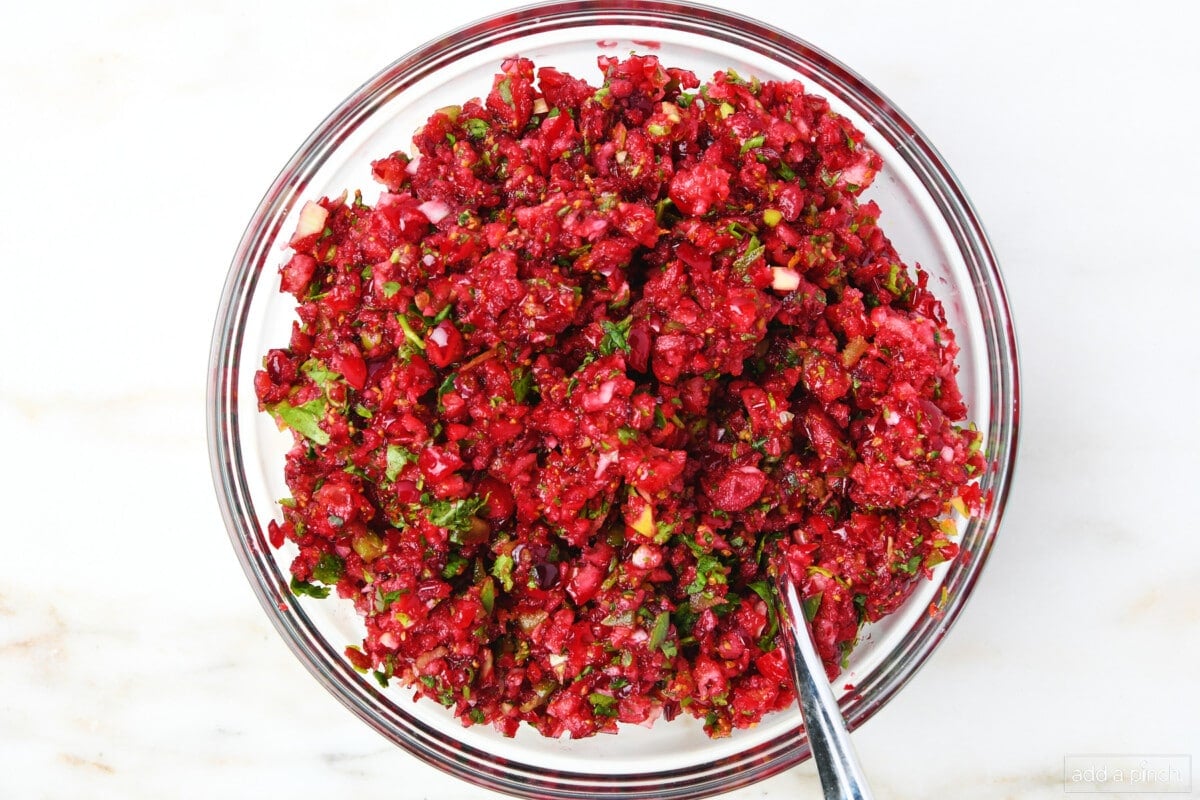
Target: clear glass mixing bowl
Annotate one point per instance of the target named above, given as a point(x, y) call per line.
point(925, 213)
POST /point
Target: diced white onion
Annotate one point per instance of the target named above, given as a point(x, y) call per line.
point(434, 210)
point(611, 457)
point(645, 558)
point(784, 279)
point(312, 220)
point(605, 392)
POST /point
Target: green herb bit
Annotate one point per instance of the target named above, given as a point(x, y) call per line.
point(329, 569)
point(763, 590)
point(812, 605)
point(318, 373)
point(397, 457)
point(384, 600)
point(847, 648)
point(753, 252)
point(413, 337)
point(306, 589)
point(658, 634)
point(661, 208)
point(502, 571)
point(893, 280)
point(753, 142)
point(709, 569)
point(522, 384)
point(487, 594)
point(603, 705)
point(455, 515)
point(303, 419)
point(455, 565)
point(447, 384)
point(616, 336)
point(627, 434)
point(476, 128)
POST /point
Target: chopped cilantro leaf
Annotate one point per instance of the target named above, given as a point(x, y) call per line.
point(616, 336)
point(753, 252)
point(522, 384)
point(847, 648)
point(812, 605)
point(306, 589)
point(763, 590)
point(384, 600)
point(708, 567)
point(603, 705)
point(455, 515)
point(328, 569)
point(303, 419)
point(397, 457)
point(318, 373)
point(447, 384)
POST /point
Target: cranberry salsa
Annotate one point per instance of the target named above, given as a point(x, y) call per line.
point(595, 363)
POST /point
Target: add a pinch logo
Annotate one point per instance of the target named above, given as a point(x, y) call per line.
point(1128, 774)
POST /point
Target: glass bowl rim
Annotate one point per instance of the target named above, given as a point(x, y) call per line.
point(715, 25)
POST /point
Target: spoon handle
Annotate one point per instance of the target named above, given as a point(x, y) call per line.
point(837, 765)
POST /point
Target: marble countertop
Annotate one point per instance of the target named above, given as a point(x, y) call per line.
point(138, 137)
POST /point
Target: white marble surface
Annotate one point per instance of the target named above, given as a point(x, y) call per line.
point(136, 140)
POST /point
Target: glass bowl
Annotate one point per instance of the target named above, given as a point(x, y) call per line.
point(925, 213)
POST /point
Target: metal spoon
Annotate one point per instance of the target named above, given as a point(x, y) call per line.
point(837, 765)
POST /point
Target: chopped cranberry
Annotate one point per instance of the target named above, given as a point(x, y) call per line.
point(444, 345)
point(738, 488)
